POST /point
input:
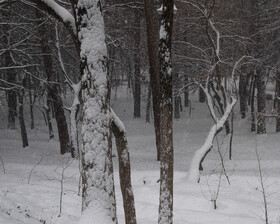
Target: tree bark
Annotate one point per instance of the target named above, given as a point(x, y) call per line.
point(202, 96)
point(152, 39)
point(252, 103)
point(278, 101)
point(30, 102)
point(124, 170)
point(137, 72)
point(186, 92)
point(24, 137)
point(148, 106)
point(166, 119)
point(99, 203)
point(177, 99)
point(243, 95)
point(260, 82)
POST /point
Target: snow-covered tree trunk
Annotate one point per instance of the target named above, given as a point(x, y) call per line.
point(98, 204)
point(193, 172)
point(166, 119)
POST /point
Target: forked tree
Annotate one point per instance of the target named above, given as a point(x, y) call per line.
point(86, 27)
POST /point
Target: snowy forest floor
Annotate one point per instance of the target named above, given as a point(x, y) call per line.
point(240, 202)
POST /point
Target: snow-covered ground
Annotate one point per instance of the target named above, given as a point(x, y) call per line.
point(241, 201)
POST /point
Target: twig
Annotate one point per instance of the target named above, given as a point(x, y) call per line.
point(34, 168)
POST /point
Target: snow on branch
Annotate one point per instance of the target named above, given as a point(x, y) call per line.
point(58, 11)
point(193, 173)
point(117, 121)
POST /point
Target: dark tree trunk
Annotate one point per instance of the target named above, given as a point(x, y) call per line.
point(177, 103)
point(12, 101)
point(260, 82)
point(243, 95)
point(53, 90)
point(152, 36)
point(177, 99)
point(30, 102)
point(24, 137)
point(218, 99)
point(48, 116)
point(137, 73)
point(125, 174)
point(186, 92)
point(202, 96)
point(148, 107)
point(278, 101)
point(166, 119)
point(252, 103)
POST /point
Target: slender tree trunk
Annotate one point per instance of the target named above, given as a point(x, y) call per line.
point(260, 82)
point(30, 102)
point(177, 97)
point(186, 92)
point(152, 37)
point(148, 107)
point(137, 72)
point(124, 170)
point(53, 90)
point(253, 119)
point(202, 96)
point(243, 95)
point(24, 137)
point(278, 101)
point(221, 106)
point(48, 116)
point(166, 119)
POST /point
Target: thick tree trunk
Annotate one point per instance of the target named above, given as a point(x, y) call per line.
point(99, 203)
point(260, 82)
point(124, 170)
point(24, 137)
point(152, 36)
point(53, 90)
point(166, 119)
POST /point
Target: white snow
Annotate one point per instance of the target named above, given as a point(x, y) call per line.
point(60, 11)
point(239, 202)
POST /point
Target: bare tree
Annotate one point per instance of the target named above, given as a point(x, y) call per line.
point(166, 116)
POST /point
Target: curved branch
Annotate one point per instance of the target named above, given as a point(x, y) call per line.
point(60, 13)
